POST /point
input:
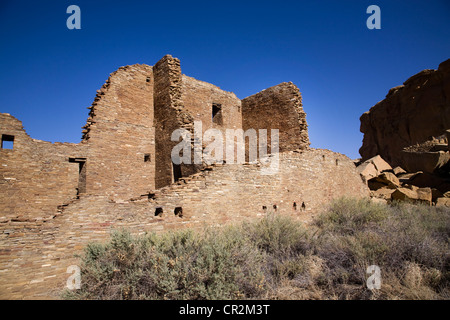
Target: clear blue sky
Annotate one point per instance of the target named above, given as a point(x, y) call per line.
point(50, 74)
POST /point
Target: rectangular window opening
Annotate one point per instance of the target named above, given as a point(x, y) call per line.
point(7, 142)
point(147, 157)
point(176, 172)
point(217, 113)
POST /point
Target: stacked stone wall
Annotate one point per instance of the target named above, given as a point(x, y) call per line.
point(120, 135)
point(34, 256)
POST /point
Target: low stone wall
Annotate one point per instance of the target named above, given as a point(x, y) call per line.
point(34, 256)
point(35, 176)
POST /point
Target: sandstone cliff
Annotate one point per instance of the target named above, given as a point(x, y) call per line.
point(411, 114)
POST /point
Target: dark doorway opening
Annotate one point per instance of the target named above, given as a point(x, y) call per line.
point(81, 174)
point(176, 172)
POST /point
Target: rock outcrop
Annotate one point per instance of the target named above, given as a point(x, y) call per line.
point(410, 131)
point(413, 113)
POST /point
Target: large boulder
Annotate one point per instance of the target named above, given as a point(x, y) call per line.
point(384, 180)
point(372, 168)
point(415, 194)
point(382, 193)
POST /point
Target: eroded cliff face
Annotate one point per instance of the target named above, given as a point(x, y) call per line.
point(410, 114)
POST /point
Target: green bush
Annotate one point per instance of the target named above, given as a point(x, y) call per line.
point(178, 265)
point(279, 258)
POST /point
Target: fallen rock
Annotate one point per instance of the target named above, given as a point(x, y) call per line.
point(420, 195)
point(425, 194)
point(380, 164)
point(367, 171)
point(372, 168)
point(406, 177)
point(398, 171)
point(382, 193)
point(443, 202)
point(412, 187)
point(386, 179)
point(404, 194)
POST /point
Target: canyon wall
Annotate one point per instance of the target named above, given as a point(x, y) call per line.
point(411, 114)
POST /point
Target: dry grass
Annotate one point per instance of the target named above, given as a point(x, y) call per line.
point(277, 258)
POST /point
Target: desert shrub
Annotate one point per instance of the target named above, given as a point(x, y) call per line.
point(284, 243)
point(278, 235)
point(355, 234)
point(277, 257)
point(346, 216)
point(175, 265)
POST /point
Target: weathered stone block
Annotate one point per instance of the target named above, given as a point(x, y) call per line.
point(372, 168)
point(383, 193)
point(386, 179)
point(422, 195)
point(398, 171)
point(443, 202)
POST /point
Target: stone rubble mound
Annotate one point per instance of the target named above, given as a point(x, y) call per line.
point(424, 185)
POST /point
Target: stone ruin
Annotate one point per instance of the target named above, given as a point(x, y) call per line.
point(57, 197)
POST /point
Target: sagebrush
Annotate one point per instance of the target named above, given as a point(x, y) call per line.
point(279, 258)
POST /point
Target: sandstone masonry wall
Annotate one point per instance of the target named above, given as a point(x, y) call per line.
point(170, 115)
point(214, 108)
point(35, 176)
point(278, 107)
point(43, 251)
point(121, 137)
point(199, 98)
point(55, 198)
